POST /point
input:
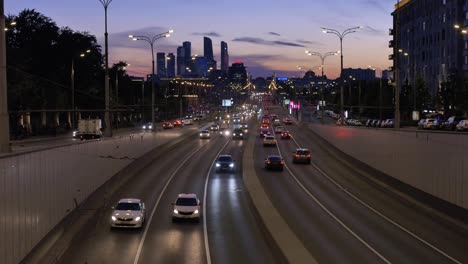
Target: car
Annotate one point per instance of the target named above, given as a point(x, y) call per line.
point(279, 130)
point(178, 123)
point(274, 162)
point(264, 126)
point(287, 121)
point(452, 122)
point(244, 128)
point(236, 120)
point(128, 213)
point(186, 206)
point(269, 141)
point(205, 134)
point(437, 124)
point(147, 126)
point(167, 125)
point(225, 132)
point(238, 133)
point(225, 163)
point(188, 120)
point(428, 123)
point(264, 132)
point(214, 127)
point(276, 122)
point(462, 125)
point(301, 155)
point(285, 135)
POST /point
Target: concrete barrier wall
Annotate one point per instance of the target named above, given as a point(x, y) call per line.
point(38, 189)
point(435, 163)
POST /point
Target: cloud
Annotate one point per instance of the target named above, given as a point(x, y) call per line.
point(375, 4)
point(207, 34)
point(274, 34)
point(260, 41)
point(372, 31)
point(307, 42)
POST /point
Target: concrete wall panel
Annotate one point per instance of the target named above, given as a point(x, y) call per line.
point(435, 163)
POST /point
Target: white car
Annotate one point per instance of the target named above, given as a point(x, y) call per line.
point(462, 125)
point(128, 213)
point(279, 130)
point(205, 134)
point(186, 206)
point(428, 123)
point(269, 141)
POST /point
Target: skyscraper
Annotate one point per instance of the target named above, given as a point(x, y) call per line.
point(187, 53)
point(161, 64)
point(208, 53)
point(180, 60)
point(224, 57)
point(171, 65)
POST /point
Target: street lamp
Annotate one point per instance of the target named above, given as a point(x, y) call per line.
point(107, 121)
point(341, 36)
point(322, 56)
point(72, 82)
point(4, 123)
point(151, 41)
point(380, 90)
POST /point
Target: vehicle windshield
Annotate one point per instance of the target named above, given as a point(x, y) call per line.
point(303, 152)
point(274, 158)
point(128, 207)
point(186, 202)
point(225, 159)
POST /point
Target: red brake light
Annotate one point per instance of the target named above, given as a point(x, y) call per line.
point(308, 155)
point(282, 162)
point(297, 155)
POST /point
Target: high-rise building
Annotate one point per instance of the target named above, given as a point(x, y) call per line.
point(426, 44)
point(180, 60)
point(201, 67)
point(237, 75)
point(161, 64)
point(171, 72)
point(187, 53)
point(208, 53)
point(224, 57)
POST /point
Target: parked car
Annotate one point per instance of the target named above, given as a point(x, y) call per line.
point(452, 122)
point(421, 123)
point(390, 123)
point(428, 123)
point(437, 124)
point(462, 125)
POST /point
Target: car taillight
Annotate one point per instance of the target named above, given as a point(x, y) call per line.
point(297, 155)
point(308, 155)
point(282, 162)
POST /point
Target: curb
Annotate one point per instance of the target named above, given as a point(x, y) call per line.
point(291, 247)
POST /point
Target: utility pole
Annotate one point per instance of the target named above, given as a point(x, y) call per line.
point(4, 121)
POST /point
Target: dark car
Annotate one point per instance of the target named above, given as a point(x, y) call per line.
point(264, 132)
point(274, 162)
point(285, 135)
point(238, 133)
point(301, 155)
point(452, 122)
point(225, 163)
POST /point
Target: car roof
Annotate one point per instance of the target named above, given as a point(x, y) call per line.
point(302, 149)
point(205, 131)
point(187, 195)
point(274, 156)
point(226, 156)
point(129, 200)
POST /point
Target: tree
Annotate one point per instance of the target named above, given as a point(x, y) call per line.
point(423, 97)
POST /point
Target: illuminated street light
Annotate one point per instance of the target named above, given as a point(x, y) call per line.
point(151, 41)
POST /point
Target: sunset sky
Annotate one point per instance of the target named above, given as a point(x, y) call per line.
point(268, 36)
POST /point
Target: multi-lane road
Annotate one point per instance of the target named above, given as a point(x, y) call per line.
point(336, 208)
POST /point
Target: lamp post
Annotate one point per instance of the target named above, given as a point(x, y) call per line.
point(151, 41)
point(341, 36)
point(107, 120)
point(4, 123)
point(72, 82)
point(380, 90)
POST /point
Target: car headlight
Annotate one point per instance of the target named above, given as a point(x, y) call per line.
point(74, 133)
point(138, 219)
point(144, 127)
point(218, 165)
point(231, 165)
point(201, 134)
point(175, 211)
point(227, 133)
point(241, 134)
point(196, 212)
point(114, 218)
point(150, 127)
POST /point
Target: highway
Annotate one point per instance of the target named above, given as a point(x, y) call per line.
point(342, 216)
point(229, 232)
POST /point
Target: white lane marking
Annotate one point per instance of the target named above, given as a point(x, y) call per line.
point(205, 229)
point(382, 215)
point(148, 223)
point(332, 215)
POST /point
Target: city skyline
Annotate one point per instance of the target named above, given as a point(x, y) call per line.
point(266, 43)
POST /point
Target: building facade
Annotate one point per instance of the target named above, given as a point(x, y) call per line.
point(224, 57)
point(208, 53)
point(426, 43)
point(180, 61)
point(161, 64)
point(171, 69)
point(187, 53)
point(237, 75)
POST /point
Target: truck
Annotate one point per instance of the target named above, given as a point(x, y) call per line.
point(89, 129)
